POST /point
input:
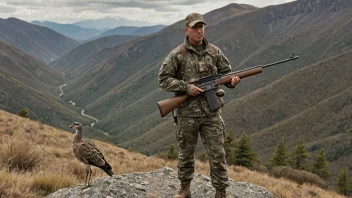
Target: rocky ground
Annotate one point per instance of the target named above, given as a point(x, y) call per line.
point(156, 184)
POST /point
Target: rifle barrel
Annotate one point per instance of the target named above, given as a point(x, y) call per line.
point(282, 61)
point(262, 66)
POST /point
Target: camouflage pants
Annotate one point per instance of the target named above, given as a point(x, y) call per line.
point(212, 132)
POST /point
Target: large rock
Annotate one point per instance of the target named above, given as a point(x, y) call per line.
point(157, 184)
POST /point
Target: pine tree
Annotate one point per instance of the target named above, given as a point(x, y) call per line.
point(280, 156)
point(301, 156)
point(172, 154)
point(321, 165)
point(229, 146)
point(244, 155)
point(343, 182)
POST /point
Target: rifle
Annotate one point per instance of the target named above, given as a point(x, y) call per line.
point(210, 83)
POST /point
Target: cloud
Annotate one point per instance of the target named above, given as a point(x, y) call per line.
point(6, 9)
point(154, 11)
point(143, 4)
point(24, 3)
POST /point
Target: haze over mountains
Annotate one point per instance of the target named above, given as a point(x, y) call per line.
point(70, 30)
point(110, 22)
point(88, 34)
point(77, 57)
point(132, 30)
point(115, 78)
point(38, 41)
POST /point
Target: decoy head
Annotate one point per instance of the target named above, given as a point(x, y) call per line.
point(76, 125)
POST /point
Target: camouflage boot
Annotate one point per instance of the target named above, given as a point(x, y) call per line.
point(220, 193)
point(184, 192)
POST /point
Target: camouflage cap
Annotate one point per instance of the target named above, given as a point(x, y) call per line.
point(194, 18)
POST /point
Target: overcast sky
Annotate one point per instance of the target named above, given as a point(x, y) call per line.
point(153, 11)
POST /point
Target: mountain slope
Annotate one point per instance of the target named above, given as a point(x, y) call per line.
point(121, 30)
point(148, 30)
point(72, 60)
point(28, 83)
point(110, 22)
point(33, 72)
point(131, 30)
point(70, 30)
point(38, 41)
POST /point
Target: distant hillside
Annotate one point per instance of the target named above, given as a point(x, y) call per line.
point(72, 61)
point(38, 41)
point(28, 83)
point(130, 30)
point(72, 31)
point(110, 22)
point(32, 71)
point(121, 30)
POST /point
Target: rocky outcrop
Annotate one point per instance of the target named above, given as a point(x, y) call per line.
point(156, 184)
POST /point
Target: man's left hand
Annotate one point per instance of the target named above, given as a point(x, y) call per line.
point(234, 81)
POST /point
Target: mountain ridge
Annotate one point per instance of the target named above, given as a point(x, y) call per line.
point(38, 41)
point(72, 31)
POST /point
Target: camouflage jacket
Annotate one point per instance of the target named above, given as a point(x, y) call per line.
point(184, 65)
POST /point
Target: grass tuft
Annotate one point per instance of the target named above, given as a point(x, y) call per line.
point(20, 155)
point(46, 183)
point(298, 176)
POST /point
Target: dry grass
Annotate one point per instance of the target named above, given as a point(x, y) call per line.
point(19, 154)
point(58, 168)
point(44, 183)
point(298, 176)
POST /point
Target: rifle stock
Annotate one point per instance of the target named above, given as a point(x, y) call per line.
point(166, 106)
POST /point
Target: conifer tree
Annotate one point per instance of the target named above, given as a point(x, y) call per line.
point(321, 165)
point(301, 156)
point(229, 146)
point(244, 155)
point(172, 154)
point(280, 156)
point(343, 182)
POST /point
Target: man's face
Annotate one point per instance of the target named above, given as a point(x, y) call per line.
point(195, 33)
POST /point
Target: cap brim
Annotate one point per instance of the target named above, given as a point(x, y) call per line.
point(195, 22)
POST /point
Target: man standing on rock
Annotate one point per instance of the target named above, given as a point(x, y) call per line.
point(194, 59)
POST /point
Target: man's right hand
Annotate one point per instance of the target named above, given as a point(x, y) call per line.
point(193, 90)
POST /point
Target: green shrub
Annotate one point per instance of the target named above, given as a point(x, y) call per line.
point(172, 154)
point(24, 113)
point(298, 176)
point(260, 168)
